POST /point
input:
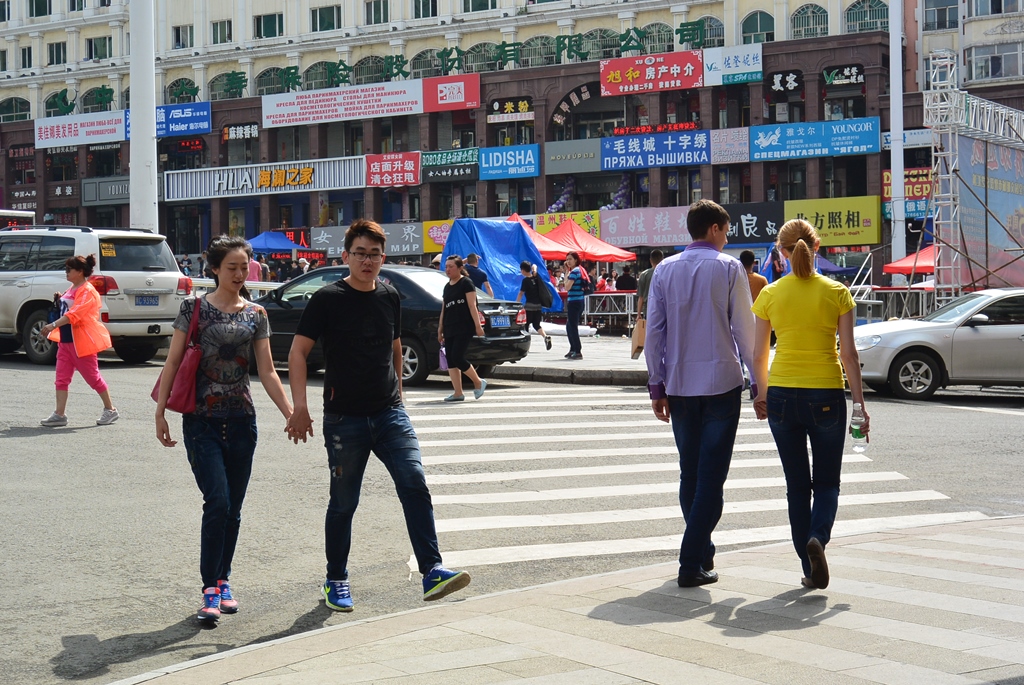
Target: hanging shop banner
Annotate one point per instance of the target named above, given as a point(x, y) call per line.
point(653, 226)
point(445, 158)
point(730, 145)
point(841, 221)
point(755, 222)
point(191, 119)
point(652, 73)
point(80, 129)
point(393, 169)
point(687, 148)
point(846, 75)
point(403, 239)
point(917, 189)
point(917, 137)
point(435, 235)
point(512, 161)
point(510, 109)
point(814, 139)
point(588, 221)
point(739, 64)
point(454, 173)
point(572, 156)
point(371, 100)
point(342, 173)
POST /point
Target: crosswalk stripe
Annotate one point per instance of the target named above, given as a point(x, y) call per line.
point(577, 402)
point(637, 489)
point(653, 450)
point(611, 469)
point(610, 437)
point(507, 426)
point(585, 518)
point(505, 555)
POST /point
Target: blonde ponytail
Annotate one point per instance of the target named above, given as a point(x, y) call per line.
point(798, 238)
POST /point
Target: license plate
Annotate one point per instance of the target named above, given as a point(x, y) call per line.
point(147, 300)
point(499, 322)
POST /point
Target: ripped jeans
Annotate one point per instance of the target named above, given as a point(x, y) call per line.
point(389, 435)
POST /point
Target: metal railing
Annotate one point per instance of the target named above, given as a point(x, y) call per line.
point(201, 286)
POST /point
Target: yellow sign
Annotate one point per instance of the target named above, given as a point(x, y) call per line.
point(841, 221)
point(108, 250)
point(435, 235)
point(588, 221)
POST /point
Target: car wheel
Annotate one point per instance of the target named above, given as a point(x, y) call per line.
point(135, 354)
point(485, 370)
point(38, 347)
point(914, 376)
point(880, 388)
point(414, 362)
point(7, 346)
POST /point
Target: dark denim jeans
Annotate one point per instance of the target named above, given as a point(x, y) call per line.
point(705, 430)
point(794, 415)
point(220, 452)
point(574, 310)
point(389, 435)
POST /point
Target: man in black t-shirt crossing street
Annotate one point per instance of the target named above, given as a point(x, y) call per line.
point(359, 321)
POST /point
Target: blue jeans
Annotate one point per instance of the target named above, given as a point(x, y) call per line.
point(220, 454)
point(389, 435)
point(794, 415)
point(574, 310)
point(705, 430)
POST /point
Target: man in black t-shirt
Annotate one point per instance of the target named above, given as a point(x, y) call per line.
point(478, 275)
point(359, 321)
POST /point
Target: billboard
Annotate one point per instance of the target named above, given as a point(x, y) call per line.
point(737, 64)
point(841, 221)
point(815, 139)
point(652, 73)
point(653, 226)
point(685, 148)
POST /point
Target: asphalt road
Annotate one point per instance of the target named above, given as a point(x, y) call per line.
point(100, 525)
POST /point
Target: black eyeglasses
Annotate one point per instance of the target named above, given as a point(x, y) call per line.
point(375, 257)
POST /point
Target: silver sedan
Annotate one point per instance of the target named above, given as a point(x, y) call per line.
point(977, 339)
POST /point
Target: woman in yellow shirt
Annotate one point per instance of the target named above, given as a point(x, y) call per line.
point(804, 395)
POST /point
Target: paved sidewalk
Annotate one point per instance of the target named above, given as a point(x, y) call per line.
point(941, 605)
point(606, 361)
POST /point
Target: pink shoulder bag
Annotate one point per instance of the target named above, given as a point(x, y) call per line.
point(183, 391)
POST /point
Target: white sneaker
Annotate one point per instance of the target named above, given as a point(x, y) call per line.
point(106, 418)
point(55, 420)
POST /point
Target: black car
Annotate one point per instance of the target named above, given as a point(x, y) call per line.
point(506, 334)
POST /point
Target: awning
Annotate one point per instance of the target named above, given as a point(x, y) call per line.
point(925, 263)
point(574, 239)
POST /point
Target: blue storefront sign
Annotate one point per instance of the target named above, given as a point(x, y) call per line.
point(685, 148)
point(191, 119)
point(513, 161)
point(815, 139)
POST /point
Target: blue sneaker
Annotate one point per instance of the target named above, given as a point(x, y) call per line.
point(441, 582)
point(228, 603)
point(210, 611)
point(337, 594)
point(477, 394)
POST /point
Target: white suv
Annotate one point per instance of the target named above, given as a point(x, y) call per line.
point(136, 275)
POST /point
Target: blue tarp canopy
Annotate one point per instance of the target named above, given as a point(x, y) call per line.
point(272, 241)
point(824, 267)
point(502, 245)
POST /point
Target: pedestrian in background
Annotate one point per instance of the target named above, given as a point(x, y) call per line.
point(803, 397)
point(478, 275)
point(529, 293)
point(699, 334)
point(574, 303)
point(255, 270)
point(459, 320)
point(220, 435)
point(756, 281)
point(80, 337)
point(643, 286)
point(264, 268)
point(626, 281)
point(358, 321)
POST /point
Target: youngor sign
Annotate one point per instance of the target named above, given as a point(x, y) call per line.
point(738, 64)
point(687, 148)
point(393, 169)
point(80, 129)
point(514, 161)
point(654, 226)
point(341, 173)
point(652, 73)
point(841, 221)
point(814, 139)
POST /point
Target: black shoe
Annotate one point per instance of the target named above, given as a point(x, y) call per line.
point(708, 564)
point(547, 341)
point(701, 578)
point(819, 567)
point(569, 354)
point(576, 355)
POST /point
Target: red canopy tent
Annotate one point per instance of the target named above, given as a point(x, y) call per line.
point(925, 263)
point(548, 248)
point(574, 239)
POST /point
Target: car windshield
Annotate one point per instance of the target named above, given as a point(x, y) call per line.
point(134, 254)
point(434, 282)
point(955, 309)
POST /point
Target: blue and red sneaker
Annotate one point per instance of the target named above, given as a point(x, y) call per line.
point(210, 611)
point(228, 603)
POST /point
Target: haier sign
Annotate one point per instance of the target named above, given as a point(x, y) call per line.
point(190, 119)
point(513, 161)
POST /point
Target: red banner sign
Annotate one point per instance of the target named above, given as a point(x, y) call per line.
point(443, 93)
point(393, 169)
point(918, 184)
point(651, 73)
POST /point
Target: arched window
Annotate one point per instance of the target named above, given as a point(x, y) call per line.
point(810, 21)
point(126, 100)
point(51, 107)
point(714, 32)
point(268, 82)
point(368, 70)
point(425, 64)
point(867, 15)
point(538, 51)
point(15, 109)
point(659, 38)
point(601, 44)
point(759, 27)
point(92, 101)
point(481, 57)
point(316, 77)
point(176, 91)
point(218, 89)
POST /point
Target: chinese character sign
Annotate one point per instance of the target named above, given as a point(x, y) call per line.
point(841, 220)
point(393, 169)
point(686, 148)
point(755, 222)
point(814, 139)
point(730, 146)
point(652, 73)
point(654, 226)
point(738, 64)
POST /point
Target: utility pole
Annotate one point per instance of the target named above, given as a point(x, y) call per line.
point(142, 76)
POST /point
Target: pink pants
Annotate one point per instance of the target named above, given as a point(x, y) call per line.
point(89, 366)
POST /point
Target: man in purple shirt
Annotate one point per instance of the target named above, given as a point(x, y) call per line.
point(699, 331)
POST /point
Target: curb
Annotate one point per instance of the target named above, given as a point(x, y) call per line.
point(510, 372)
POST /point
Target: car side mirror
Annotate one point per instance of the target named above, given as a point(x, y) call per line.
point(978, 320)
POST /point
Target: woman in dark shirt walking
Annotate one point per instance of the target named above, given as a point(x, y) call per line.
point(459, 321)
point(529, 292)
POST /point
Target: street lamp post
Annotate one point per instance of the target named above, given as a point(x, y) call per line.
point(142, 158)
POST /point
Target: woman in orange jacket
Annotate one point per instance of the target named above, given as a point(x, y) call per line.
point(80, 337)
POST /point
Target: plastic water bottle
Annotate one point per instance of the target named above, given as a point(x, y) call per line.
point(860, 440)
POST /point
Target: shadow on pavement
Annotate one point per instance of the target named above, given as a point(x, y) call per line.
point(36, 431)
point(311, 620)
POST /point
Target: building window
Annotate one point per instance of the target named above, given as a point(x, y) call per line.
point(3, 60)
point(940, 15)
point(218, 88)
point(810, 21)
point(714, 32)
point(268, 26)
point(316, 76)
point(91, 102)
point(985, 7)
point(478, 5)
point(52, 106)
point(104, 3)
point(377, 12)
point(993, 61)
point(39, 8)
point(759, 27)
point(98, 48)
point(867, 15)
point(15, 109)
point(422, 9)
point(178, 91)
point(660, 38)
point(325, 18)
point(268, 82)
point(222, 32)
point(368, 70)
point(63, 165)
point(601, 44)
point(425, 64)
point(481, 57)
point(182, 37)
point(56, 53)
point(26, 58)
point(538, 51)
point(76, 5)
point(5, 10)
